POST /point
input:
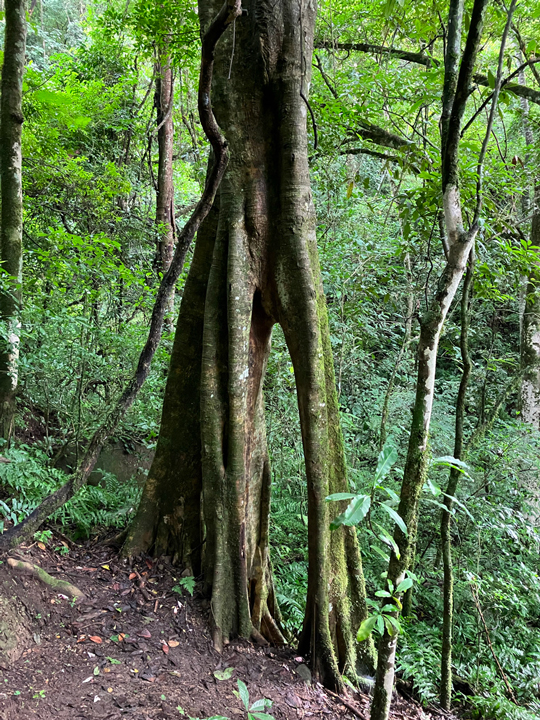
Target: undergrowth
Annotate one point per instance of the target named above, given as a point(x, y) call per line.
point(28, 478)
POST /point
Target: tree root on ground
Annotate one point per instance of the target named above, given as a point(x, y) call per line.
point(44, 577)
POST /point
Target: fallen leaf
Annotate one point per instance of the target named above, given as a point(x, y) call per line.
point(95, 639)
point(132, 576)
point(145, 634)
point(41, 546)
point(109, 689)
point(105, 567)
point(106, 670)
point(88, 679)
point(165, 649)
point(149, 564)
point(173, 643)
point(82, 638)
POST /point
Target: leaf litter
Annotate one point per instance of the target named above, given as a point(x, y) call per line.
point(149, 674)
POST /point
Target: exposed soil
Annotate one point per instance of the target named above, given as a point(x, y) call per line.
point(134, 647)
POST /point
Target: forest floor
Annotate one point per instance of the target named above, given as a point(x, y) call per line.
point(134, 647)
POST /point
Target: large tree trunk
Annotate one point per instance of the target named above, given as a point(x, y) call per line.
point(11, 220)
point(207, 498)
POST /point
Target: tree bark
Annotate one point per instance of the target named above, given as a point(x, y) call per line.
point(459, 244)
point(446, 538)
point(530, 316)
point(207, 498)
point(11, 197)
point(530, 331)
point(165, 217)
point(229, 11)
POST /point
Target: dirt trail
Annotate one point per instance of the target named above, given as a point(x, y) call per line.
point(134, 647)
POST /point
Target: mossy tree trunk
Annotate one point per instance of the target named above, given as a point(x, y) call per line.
point(458, 244)
point(207, 498)
point(11, 198)
point(530, 331)
point(451, 488)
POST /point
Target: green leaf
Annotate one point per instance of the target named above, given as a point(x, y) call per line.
point(383, 593)
point(366, 628)
point(263, 716)
point(387, 539)
point(380, 552)
point(380, 624)
point(244, 693)
point(355, 512)
point(491, 79)
point(261, 704)
point(404, 585)
point(340, 496)
point(392, 625)
point(449, 461)
point(52, 98)
point(391, 494)
point(397, 518)
point(224, 674)
point(387, 457)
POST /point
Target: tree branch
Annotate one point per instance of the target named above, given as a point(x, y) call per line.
point(496, 92)
point(419, 58)
point(466, 70)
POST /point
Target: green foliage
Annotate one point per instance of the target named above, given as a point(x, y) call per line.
point(185, 583)
point(256, 710)
point(28, 478)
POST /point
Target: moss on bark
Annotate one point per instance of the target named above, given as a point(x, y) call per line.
point(261, 268)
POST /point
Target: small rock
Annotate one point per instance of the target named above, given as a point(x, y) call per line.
point(305, 673)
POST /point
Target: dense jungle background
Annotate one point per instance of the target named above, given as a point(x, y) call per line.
point(92, 267)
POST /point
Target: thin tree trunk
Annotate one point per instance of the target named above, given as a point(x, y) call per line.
point(11, 197)
point(459, 243)
point(530, 331)
point(446, 538)
point(230, 10)
point(530, 315)
point(165, 219)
